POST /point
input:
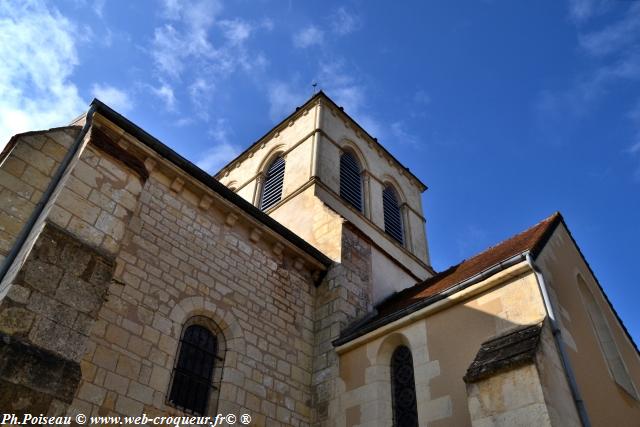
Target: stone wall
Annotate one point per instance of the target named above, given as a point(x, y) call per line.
point(46, 319)
point(29, 162)
point(444, 341)
point(178, 260)
point(343, 297)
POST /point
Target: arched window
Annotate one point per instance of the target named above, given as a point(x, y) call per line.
point(403, 387)
point(350, 180)
point(272, 187)
point(392, 215)
point(605, 338)
point(197, 370)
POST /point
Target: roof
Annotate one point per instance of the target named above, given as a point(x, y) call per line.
point(435, 288)
point(310, 101)
point(504, 352)
point(206, 179)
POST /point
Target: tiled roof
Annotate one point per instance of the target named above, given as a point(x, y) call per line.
point(390, 309)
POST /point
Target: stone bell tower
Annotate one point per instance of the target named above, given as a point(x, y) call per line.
point(318, 172)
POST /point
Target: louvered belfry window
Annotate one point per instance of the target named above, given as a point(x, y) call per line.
point(192, 378)
point(272, 188)
point(405, 408)
point(350, 180)
point(392, 214)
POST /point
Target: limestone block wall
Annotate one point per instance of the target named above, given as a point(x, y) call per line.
point(509, 398)
point(179, 259)
point(53, 301)
point(46, 319)
point(26, 167)
point(528, 387)
point(443, 342)
point(294, 140)
point(343, 296)
point(309, 218)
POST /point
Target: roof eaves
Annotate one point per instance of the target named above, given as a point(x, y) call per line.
point(202, 176)
point(297, 111)
point(362, 328)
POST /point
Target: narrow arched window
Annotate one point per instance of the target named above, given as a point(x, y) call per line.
point(197, 370)
point(609, 348)
point(405, 408)
point(272, 187)
point(392, 215)
point(350, 180)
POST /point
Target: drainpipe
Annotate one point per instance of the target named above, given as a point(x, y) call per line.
point(39, 211)
point(571, 379)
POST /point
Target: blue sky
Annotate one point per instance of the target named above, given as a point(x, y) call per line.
point(508, 110)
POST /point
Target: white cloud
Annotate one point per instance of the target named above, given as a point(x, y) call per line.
point(402, 135)
point(196, 48)
point(614, 37)
point(165, 93)
point(344, 22)
point(614, 62)
point(186, 37)
point(38, 51)
point(283, 99)
point(223, 150)
point(582, 10)
point(308, 37)
point(200, 92)
point(236, 30)
point(115, 98)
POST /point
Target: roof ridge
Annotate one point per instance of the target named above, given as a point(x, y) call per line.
point(551, 218)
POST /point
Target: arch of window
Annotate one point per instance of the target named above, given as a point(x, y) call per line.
point(197, 370)
point(272, 186)
point(351, 180)
point(403, 388)
point(609, 348)
point(392, 214)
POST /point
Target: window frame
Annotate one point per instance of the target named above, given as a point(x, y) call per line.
point(359, 173)
point(397, 412)
point(398, 201)
point(213, 391)
point(265, 181)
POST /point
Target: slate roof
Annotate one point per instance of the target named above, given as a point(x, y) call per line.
point(513, 349)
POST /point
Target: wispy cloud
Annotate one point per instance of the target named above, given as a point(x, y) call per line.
point(401, 134)
point(35, 82)
point(617, 36)
point(222, 151)
point(308, 36)
point(344, 22)
point(166, 94)
point(236, 30)
point(612, 58)
point(116, 98)
point(581, 10)
point(197, 49)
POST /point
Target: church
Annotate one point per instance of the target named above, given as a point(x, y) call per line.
point(294, 286)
